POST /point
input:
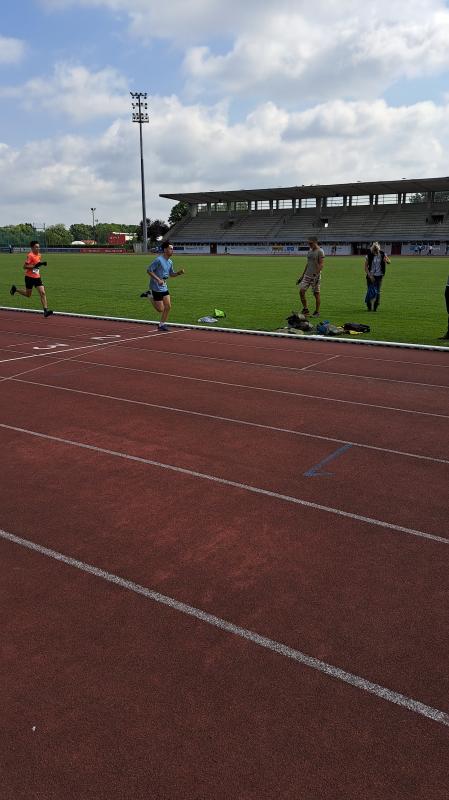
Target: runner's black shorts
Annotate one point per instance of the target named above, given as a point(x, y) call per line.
point(158, 295)
point(30, 283)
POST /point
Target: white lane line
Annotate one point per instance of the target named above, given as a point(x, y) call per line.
point(58, 361)
point(232, 420)
point(226, 360)
point(373, 378)
point(311, 347)
point(322, 361)
point(225, 482)
point(278, 366)
point(91, 346)
point(265, 389)
point(325, 668)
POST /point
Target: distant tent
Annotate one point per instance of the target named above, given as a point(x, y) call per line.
point(78, 243)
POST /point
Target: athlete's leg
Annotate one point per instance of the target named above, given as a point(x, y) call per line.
point(43, 296)
point(167, 306)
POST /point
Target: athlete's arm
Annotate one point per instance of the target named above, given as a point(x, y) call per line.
point(155, 277)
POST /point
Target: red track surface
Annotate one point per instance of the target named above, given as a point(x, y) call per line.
point(109, 694)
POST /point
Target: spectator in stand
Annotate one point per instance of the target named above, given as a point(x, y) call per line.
point(375, 267)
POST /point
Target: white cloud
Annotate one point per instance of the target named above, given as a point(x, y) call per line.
point(293, 49)
point(296, 59)
point(11, 50)
point(76, 92)
point(194, 147)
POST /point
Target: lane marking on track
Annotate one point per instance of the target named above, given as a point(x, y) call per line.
point(265, 389)
point(234, 484)
point(91, 346)
point(299, 370)
point(51, 346)
point(299, 342)
point(322, 361)
point(220, 418)
point(332, 671)
point(315, 471)
point(61, 360)
point(373, 378)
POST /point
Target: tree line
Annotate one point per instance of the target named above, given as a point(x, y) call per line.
point(61, 236)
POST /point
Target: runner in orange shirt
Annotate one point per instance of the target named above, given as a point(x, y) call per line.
point(33, 277)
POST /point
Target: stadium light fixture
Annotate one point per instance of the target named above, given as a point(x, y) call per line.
point(140, 115)
point(93, 222)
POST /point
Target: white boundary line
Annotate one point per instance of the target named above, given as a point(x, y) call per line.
point(373, 378)
point(289, 336)
point(293, 351)
point(235, 484)
point(261, 389)
point(323, 667)
point(232, 420)
point(54, 352)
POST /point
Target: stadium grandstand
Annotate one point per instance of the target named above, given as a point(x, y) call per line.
point(406, 216)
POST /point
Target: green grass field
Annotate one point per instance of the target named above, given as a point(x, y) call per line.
point(255, 292)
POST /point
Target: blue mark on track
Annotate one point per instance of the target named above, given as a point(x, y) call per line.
point(315, 471)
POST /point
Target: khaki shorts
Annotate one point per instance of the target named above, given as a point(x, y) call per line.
point(311, 282)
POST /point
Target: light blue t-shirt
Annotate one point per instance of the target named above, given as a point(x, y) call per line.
point(162, 267)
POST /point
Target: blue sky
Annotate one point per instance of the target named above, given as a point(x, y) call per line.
point(265, 93)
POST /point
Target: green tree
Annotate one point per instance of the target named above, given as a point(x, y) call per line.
point(57, 236)
point(19, 235)
point(178, 211)
point(155, 228)
point(80, 232)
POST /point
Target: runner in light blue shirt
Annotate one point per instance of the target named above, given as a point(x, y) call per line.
point(159, 271)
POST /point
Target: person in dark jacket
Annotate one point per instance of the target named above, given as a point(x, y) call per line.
point(446, 297)
point(375, 266)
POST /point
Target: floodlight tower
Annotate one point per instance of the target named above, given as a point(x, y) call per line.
point(140, 115)
point(93, 222)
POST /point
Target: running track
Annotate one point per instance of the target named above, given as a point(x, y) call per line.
point(224, 566)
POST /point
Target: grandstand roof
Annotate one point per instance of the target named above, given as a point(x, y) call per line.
point(411, 186)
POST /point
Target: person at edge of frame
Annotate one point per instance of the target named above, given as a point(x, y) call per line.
point(446, 297)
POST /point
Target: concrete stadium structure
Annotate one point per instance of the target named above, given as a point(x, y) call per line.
point(345, 217)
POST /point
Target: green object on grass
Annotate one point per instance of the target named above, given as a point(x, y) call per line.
point(218, 313)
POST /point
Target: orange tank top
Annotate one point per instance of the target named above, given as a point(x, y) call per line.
point(31, 260)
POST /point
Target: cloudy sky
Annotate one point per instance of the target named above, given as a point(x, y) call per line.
point(243, 93)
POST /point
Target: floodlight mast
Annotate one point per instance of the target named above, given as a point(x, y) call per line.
point(93, 221)
point(140, 115)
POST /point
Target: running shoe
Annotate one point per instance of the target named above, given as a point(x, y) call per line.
point(163, 327)
point(13, 289)
point(47, 312)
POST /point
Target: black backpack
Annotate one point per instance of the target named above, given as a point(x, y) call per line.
point(360, 327)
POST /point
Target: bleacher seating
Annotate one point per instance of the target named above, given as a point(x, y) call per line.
point(411, 222)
